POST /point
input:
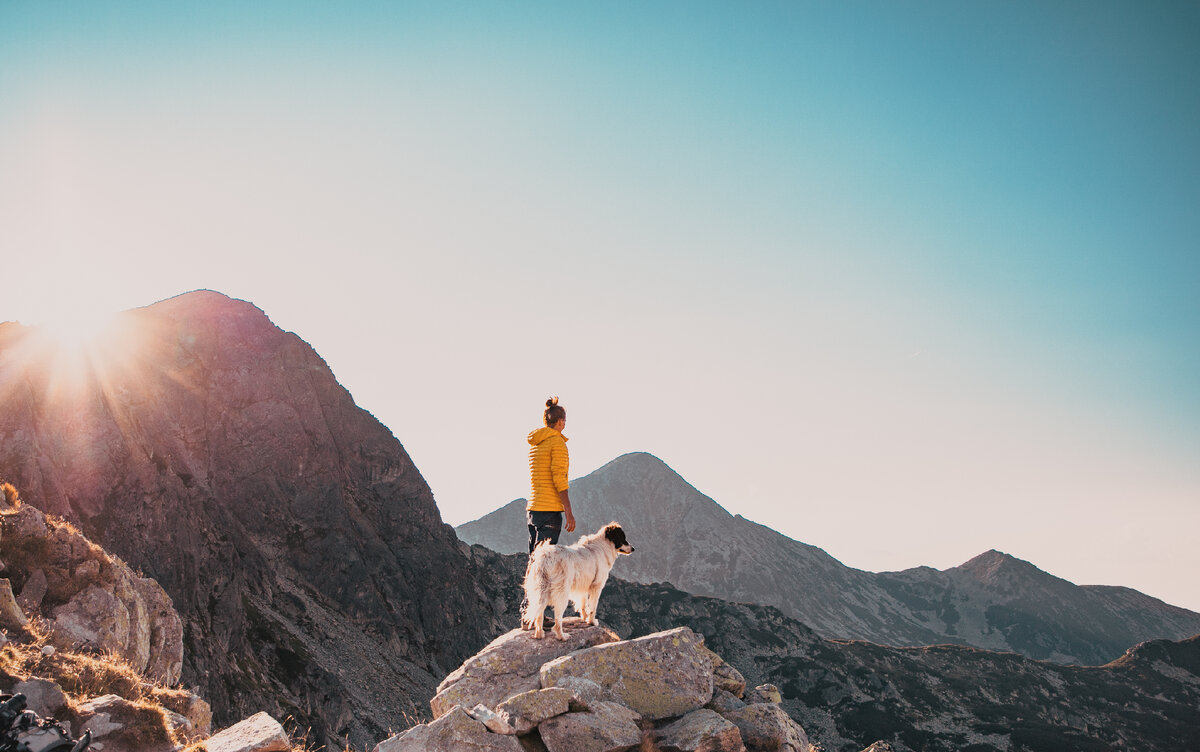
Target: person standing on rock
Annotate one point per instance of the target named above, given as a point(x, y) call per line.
point(549, 500)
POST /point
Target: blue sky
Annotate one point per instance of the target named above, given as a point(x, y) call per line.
point(906, 281)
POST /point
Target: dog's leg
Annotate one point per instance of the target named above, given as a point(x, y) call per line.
point(594, 596)
point(560, 611)
point(593, 599)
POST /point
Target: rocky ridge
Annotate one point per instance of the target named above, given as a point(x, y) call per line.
point(995, 601)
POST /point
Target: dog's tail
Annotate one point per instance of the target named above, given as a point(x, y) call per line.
point(546, 578)
point(537, 580)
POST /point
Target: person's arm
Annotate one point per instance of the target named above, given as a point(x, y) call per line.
point(568, 518)
point(559, 467)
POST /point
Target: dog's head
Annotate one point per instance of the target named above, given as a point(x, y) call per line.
point(616, 536)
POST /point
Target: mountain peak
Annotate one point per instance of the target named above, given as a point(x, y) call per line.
point(206, 304)
point(638, 460)
point(992, 566)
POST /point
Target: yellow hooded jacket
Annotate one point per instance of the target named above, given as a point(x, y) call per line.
point(547, 470)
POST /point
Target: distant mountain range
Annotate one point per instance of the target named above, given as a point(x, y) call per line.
point(946, 698)
point(994, 601)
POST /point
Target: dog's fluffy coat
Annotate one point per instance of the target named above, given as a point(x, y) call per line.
point(575, 573)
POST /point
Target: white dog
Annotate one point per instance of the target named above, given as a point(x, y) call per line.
point(574, 573)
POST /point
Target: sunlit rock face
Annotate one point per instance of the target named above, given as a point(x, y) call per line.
point(994, 601)
point(219, 455)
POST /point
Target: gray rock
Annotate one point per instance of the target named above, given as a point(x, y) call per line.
point(508, 666)
point(97, 715)
point(453, 731)
point(258, 733)
point(164, 632)
point(179, 723)
point(722, 702)
point(659, 676)
point(764, 693)
point(494, 723)
point(197, 712)
point(585, 689)
point(94, 618)
point(700, 731)
point(11, 615)
point(42, 696)
point(33, 591)
point(728, 678)
point(879, 747)
point(525, 711)
point(119, 725)
point(607, 727)
point(765, 727)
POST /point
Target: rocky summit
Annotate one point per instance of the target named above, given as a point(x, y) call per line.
point(218, 454)
point(597, 693)
point(995, 601)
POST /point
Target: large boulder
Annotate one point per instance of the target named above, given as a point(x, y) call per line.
point(258, 733)
point(510, 665)
point(42, 696)
point(118, 725)
point(700, 731)
point(766, 727)
point(607, 727)
point(658, 676)
point(453, 731)
point(522, 713)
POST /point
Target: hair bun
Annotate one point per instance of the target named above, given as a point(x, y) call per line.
point(552, 402)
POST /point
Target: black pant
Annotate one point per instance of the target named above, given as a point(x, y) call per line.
point(543, 526)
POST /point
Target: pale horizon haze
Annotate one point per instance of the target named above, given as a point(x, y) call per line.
point(906, 281)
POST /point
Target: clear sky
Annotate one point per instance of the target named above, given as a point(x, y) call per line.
point(903, 280)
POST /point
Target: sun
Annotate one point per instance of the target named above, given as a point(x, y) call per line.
point(83, 344)
point(76, 329)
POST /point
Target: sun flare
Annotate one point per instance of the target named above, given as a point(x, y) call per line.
point(84, 344)
point(76, 330)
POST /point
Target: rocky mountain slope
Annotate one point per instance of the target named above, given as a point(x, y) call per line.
point(219, 455)
point(849, 694)
point(89, 643)
point(994, 601)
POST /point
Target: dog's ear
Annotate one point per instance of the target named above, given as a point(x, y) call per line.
point(615, 534)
